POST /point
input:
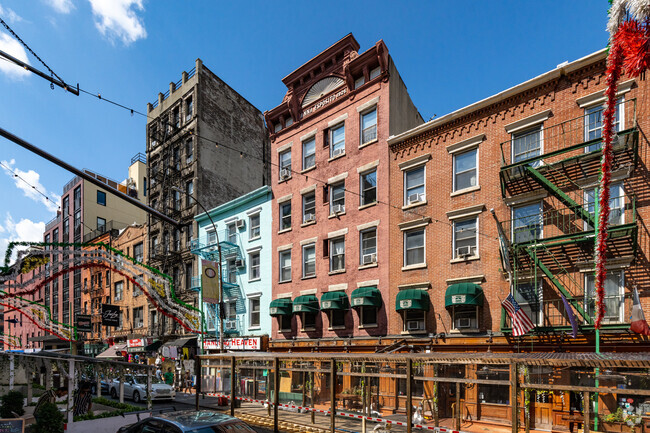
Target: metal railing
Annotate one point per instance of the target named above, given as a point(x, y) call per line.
point(551, 143)
point(108, 227)
point(177, 85)
point(139, 157)
point(54, 221)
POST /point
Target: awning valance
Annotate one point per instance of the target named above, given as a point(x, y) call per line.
point(464, 294)
point(366, 297)
point(280, 307)
point(305, 304)
point(334, 301)
point(412, 299)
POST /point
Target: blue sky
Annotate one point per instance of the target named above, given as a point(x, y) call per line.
point(449, 54)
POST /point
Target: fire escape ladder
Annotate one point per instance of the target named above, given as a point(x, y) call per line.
point(556, 282)
point(580, 211)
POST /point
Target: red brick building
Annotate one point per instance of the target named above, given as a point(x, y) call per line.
point(329, 178)
point(530, 153)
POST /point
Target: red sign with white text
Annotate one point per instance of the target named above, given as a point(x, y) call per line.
point(252, 343)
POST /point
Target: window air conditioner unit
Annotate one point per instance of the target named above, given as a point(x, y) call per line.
point(463, 322)
point(369, 259)
point(337, 152)
point(338, 208)
point(240, 223)
point(464, 251)
point(285, 173)
point(231, 325)
point(415, 325)
point(239, 263)
point(310, 217)
point(415, 198)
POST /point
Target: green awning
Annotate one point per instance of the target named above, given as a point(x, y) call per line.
point(464, 294)
point(305, 304)
point(280, 307)
point(334, 301)
point(412, 299)
point(366, 297)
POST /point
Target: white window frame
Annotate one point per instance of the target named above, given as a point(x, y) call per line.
point(305, 155)
point(620, 110)
point(476, 160)
point(251, 227)
point(516, 134)
point(283, 166)
point(592, 191)
point(330, 131)
point(251, 311)
point(304, 260)
point(453, 236)
point(621, 294)
point(331, 195)
point(304, 207)
point(540, 204)
point(115, 291)
point(280, 256)
point(424, 243)
point(252, 277)
point(423, 194)
point(331, 242)
point(540, 291)
point(361, 189)
point(361, 130)
point(362, 233)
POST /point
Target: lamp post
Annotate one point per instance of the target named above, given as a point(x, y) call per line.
point(216, 234)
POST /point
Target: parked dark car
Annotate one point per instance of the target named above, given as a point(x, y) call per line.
point(202, 421)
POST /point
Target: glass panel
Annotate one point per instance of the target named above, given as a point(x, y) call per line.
point(613, 296)
point(594, 124)
point(309, 260)
point(527, 145)
point(369, 188)
point(529, 297)
point(465, 170)
point(338, 140)
point(414, 245)
point(414, 183)
point(465, 236)
point(337, 254)
point(369, 126)
point(368, 242)
point(527, 223)
point(309, 153)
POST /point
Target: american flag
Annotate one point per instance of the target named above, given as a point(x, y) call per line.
point(521, 324)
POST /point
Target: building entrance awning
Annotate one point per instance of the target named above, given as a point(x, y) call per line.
point(280, 307)
point(412, 299)
point(464, 294)
point(115, 351)
point(334, 301)
point(182, 342)
point(305, 304)
point(366, 297)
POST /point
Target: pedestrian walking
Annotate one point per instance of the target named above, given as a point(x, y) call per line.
point(187, 382)
point(169, 377)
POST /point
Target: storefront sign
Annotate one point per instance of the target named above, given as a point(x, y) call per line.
point(327, 304)
point(84, 323)
point(458, 299)
point(253, 343)
point(273, 310)
point(357, 301)
point(324, 102)
point(298, 308)
point(110, 315)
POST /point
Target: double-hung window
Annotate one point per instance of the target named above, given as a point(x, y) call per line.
point(254, 312)
point(138, 317)
point(337, 140)
point(231, 233)
point(308, 260)
point(254, 226)
point(529, 296)
point(285, 266)
point(414, 247)
point(368, 240)
point(337, 198)
point(465, 238)
point(189, 151)
point(189, 109)
point(616, 204)
point(138, 252)
point(527, 222)
point(285, 164)
point(594, 124)
point(414, 190)
point(118, 291)
point(309, 207)
point(309, 153)
point(189, 192)
point(285, 215)
point(254, 266)
point(368, 187)
point(369, 126)
point(337, 254)
point(614, 296)
point(527, 144)
point(101, 224)
point(465, 170)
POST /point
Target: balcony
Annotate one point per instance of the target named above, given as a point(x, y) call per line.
point(111, 226)
point(566, 151)
point(206, 246)
point(53, 222)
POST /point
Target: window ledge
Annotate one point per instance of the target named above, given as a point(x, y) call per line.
point(310, 223)
point(374, 203)
point(284, 282)
point(368, 143)
point(412, 205)
point(308, 169)
point(372, 265)
point(336, 215)
point(308, 329)
point(465, 191)
point(465, 331)
point(286, 179)
point(340, 155)
point(465, 259)
point(284, 230)
point(423, 331)
point(332, 328)
point(340, 271)
point(284, 331)
point(255, 279)
point(368, 326)
point(255, 238)
point(308, 277)
point(254, 328)
point(411, 267)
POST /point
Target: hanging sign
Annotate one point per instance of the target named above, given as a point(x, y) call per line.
point(110, 315)
point(84, 323)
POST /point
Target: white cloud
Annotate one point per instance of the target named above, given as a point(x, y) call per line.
point(117, 19)
point(9, 15)
point(31, 186)
point(13, 47)
point(23, 230)
point(61, 6)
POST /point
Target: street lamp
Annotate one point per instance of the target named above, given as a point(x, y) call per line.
point(216, 234)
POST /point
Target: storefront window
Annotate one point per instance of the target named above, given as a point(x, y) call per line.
point(493, 394)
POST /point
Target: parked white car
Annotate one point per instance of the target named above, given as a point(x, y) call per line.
point(135, 387)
